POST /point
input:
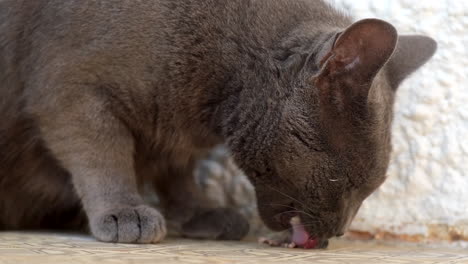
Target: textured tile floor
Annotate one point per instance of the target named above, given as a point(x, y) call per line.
point(16, 248)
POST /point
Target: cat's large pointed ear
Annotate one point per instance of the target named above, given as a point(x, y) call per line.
point(346, 76)
point(354, 60)
point(411, 53)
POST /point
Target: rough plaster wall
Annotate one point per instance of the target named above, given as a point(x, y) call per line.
point(427, 188)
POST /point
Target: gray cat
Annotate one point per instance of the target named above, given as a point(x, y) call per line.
point(100, 98)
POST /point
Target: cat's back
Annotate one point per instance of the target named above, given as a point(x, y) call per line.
point(57, 27)
point(37, 34)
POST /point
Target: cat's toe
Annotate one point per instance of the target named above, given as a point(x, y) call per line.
point(278, 239)
point(141, 224)
point(221, 224)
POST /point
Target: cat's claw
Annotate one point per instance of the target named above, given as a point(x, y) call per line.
point(276, 243)
point(269, 242)
point(290, 245)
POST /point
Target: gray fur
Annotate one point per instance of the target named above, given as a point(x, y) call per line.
point(99, 97)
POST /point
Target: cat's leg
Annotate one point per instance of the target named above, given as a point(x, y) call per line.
point(97, 150)
point(191, 213)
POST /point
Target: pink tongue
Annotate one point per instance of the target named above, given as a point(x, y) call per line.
point(300, 236)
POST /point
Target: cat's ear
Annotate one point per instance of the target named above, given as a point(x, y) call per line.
point(354, 60)
point(411, 53)
point(346, 76)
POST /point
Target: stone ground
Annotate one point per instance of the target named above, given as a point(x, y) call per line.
point(51, 248)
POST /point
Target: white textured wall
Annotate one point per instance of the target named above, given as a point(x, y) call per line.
point(427, 189)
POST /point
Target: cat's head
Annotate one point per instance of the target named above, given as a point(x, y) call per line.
point(331, 145)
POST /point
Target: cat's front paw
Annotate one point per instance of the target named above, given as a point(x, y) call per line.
point(221, 224)
point(140, 224)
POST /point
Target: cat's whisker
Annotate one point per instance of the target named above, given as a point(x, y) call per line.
point(282, 205)
point(296, 210)
point(309, 215)
point(314, 223)
point(288, 196)
point(286, 212)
